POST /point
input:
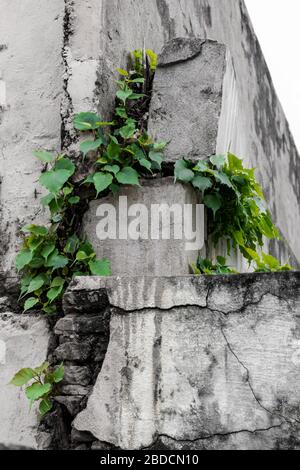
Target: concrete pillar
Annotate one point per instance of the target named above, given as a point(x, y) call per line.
point(194, 100)
point(169, 254)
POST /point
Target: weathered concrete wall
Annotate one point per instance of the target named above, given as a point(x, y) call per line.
point(31, 40)
point(217, 369)
point(23, 343)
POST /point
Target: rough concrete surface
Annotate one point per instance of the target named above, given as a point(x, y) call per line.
point(164, 256)
point(187, 98)
point(258, 132)
point(31, 67)
point(23, 343)
point(192, 373)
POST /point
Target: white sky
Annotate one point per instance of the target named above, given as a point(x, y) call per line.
point(277, 25)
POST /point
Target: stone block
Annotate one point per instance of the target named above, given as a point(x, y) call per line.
point(148, 255)
point(80, 437)
point(74, 390)
point(23, 343)
point(193, 99)
point(83, 325)
point(78, 351)
point(72, 403)
point(96, 300)
point(77, 375)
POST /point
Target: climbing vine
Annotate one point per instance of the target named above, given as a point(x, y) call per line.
point(237, 209)
point(120, 152)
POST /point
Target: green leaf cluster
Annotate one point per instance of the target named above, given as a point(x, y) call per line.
point(205, 266)
point(40, 384)
point(140, 58)
point(266, 263)
point(51, 256)
point(123, 151)
point(234, 199)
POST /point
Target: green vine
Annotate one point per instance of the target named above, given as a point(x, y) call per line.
point(120, 152)
point(236, 205)
point(205, 266)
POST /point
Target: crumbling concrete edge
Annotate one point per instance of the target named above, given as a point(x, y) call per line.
point(145, 292)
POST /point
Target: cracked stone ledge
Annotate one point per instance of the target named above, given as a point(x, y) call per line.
point(224, 294)
point(180, 50)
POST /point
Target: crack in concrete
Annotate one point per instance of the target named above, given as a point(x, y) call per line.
point(67, 103)
point(240, 310)
point(250, 304)
point(212, 436)
point(248, 380)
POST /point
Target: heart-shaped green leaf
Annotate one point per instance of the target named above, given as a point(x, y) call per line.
point(182, 172)
point(54, 180)
point(30, 303)
point(47, 250)
point(213, 202)
point(102, 181)
point(100, 268)
point(86, 121)
point(74, 200)
point(65, 164)
point(90, 145)
point(35, 229)
point(23, 259)
point(45, 406)
point(56, 261)
point(112, 169)
point(36, 283)
point(128, 176)
point(37, 390)
point(123, 95)
point(202, 183)
point(58, 374)
point(22, 377)
point(45, 157)
point(218, 160)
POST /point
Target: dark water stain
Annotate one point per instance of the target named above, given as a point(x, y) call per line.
point(167, 22)
point(156, 358)
point(274, 140)
point(206, 11)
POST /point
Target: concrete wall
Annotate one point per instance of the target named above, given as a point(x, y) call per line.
point(60, 57)
point(192, 362)
point(62, 60)
point(31, 40)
